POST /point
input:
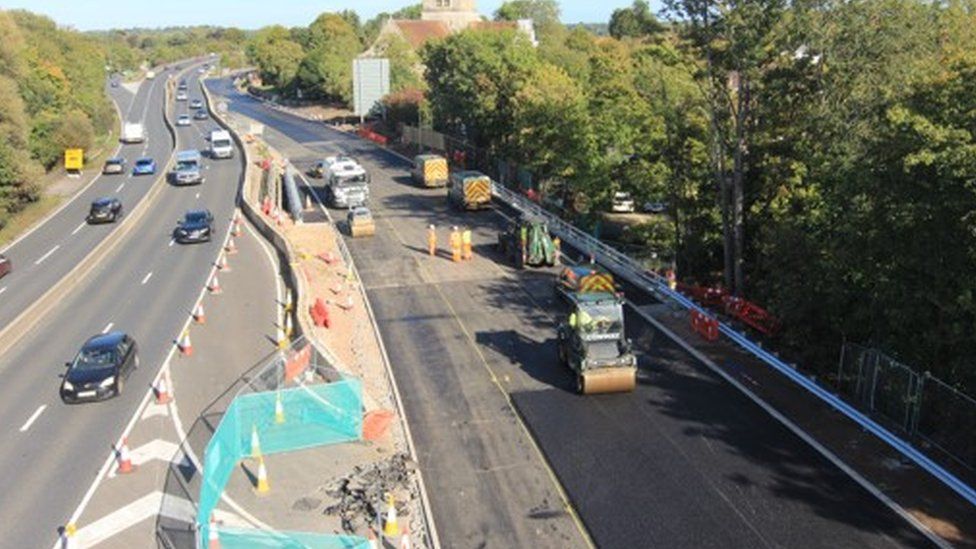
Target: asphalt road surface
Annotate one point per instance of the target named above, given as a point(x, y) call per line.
point(684, 461)
point(146, 287)
point(45, 255)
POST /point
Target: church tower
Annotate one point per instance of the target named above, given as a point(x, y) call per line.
point(456, 14)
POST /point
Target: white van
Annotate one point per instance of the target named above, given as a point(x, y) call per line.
point(221, 144)
point(133, 132)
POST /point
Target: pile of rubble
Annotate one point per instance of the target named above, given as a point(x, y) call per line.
point(361, 495)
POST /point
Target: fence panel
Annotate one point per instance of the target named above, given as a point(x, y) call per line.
point(947, 420)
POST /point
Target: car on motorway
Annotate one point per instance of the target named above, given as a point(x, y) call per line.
point(622, 203)
point(114, 166)
point(105, 210)
point(188, 169)
point(144, 166)
point(5, 265)
point(196, 104)
point(221, 145)
point(183, 120)
point(200, 114)
point(181, 96)
point(100, 368)
point(196, 226)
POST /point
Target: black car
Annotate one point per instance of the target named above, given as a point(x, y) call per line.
point(200, 115)
point(101, 368)
point(196, 104)
point(105, 210)
point(196, 226)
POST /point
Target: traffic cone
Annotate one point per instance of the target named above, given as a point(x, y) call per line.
point(289, 303)
point(237, 215)
point(391, 529)
point(198, 315)
point(162, 391)
point(282, 340)
point(231, 247)
point(288, 327)
point(68, 536)
point(279, 410)
point(185, 345)
point(255, 442)
point(213, 536)
point(222, 263)
point(214, 285)
point(237, 228)
point(263, 487)
point(125, 460)
point(308, 201)
point(405, 539)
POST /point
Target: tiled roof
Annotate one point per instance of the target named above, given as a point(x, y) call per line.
point(494, 25)
point(417, 33)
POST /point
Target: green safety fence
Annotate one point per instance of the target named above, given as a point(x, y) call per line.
point(237, 538)
point(310, 415)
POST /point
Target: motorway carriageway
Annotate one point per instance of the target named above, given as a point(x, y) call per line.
point(684, 461)
point(146, 287)
point(43, 256)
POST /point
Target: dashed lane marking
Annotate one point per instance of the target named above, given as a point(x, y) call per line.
point(119, 188)
point(4, 289)
point(47, 255)
point(30, 421)
point(109, 327)
point(78, 228)
point(146, 278)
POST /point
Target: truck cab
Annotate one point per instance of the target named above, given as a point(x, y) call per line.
point(347, 182)
point(133, 132)
point(188, 169)
point(221, 144)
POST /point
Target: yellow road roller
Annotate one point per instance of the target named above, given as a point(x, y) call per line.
point(593, 346)
point(360, 222)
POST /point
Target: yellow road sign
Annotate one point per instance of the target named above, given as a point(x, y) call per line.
point(74, 159)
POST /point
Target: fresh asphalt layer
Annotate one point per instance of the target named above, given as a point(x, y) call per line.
point(45, 255)
point(145, 287)
point(684, 461)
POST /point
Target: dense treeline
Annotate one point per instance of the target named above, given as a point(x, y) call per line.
point(51, 97)
point(816, 156)
point(128, 50)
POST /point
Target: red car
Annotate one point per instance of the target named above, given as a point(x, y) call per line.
point(5, 265)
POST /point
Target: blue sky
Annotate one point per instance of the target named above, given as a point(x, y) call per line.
point(251, 13)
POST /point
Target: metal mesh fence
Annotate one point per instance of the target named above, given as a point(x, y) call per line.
point(922, 406)
point(289, 404)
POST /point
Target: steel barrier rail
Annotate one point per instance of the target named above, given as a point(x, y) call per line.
point(656, 284)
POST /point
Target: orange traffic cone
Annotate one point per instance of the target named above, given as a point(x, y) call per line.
point(231, 247)
point(391, 528)
point(405, 539)
point(214, 285)
point(213, 536)
point(162, 391)
point(125, 460)
point(222, 263)
point(185, 345)
point(263, 487)
point(198, 315)
point(237, 228)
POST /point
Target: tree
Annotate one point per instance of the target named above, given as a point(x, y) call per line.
point(371, 29)
point(543, 13)
point(326, 69)
point(405, 65)
point(637, 21)
point(276, 55)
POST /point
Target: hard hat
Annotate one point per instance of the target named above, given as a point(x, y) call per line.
point(431, 226)
point(454, 228)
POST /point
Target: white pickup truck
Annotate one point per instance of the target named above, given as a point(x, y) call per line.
point(133, 133)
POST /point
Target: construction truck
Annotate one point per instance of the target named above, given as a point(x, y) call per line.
point(429, 170)
point(360, 222)
point(469, 190)
point(593, 346)
point(526, 242)
point(582, 279)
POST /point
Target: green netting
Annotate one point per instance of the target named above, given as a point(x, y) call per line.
point(234, 538)
point(313, 415)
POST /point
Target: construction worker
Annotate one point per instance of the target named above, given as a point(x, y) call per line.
point(583, 319)
point(455, 244)
point(432, 240)
point(524, 241)
point(466, 244)
point(556, 243)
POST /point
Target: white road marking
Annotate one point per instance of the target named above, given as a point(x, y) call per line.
point(47, 255)
point(198, 196)
point(78, 228)
point(119, 188)
point(146, 278)
point(109, 327)
point(4, 289)
point(33, 417)
point(172, 241)
point(159, 449)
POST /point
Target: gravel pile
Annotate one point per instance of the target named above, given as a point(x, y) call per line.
point(361, 496)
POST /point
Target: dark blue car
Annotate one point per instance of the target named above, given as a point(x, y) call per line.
point(144, 166)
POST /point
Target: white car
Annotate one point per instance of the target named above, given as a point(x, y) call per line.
point(622, 203)
point(181, 96)
point(183, 120)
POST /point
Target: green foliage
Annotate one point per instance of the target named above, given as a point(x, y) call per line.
point(406, 71)
point(276, 55)
point(543, 13)
point(326, 69)
point(371, 29)
point(637, 21)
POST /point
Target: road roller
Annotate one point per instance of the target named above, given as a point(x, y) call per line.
point(360, 222)
point(593, 346)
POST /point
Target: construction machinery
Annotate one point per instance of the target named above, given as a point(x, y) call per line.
point(469, 190)
point(360, 222)
point(430, 170)
point(593, 346)
point(583, 279)
point(526, 242)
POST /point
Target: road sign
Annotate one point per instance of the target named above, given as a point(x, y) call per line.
point(370, 82)
point(74, 159)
